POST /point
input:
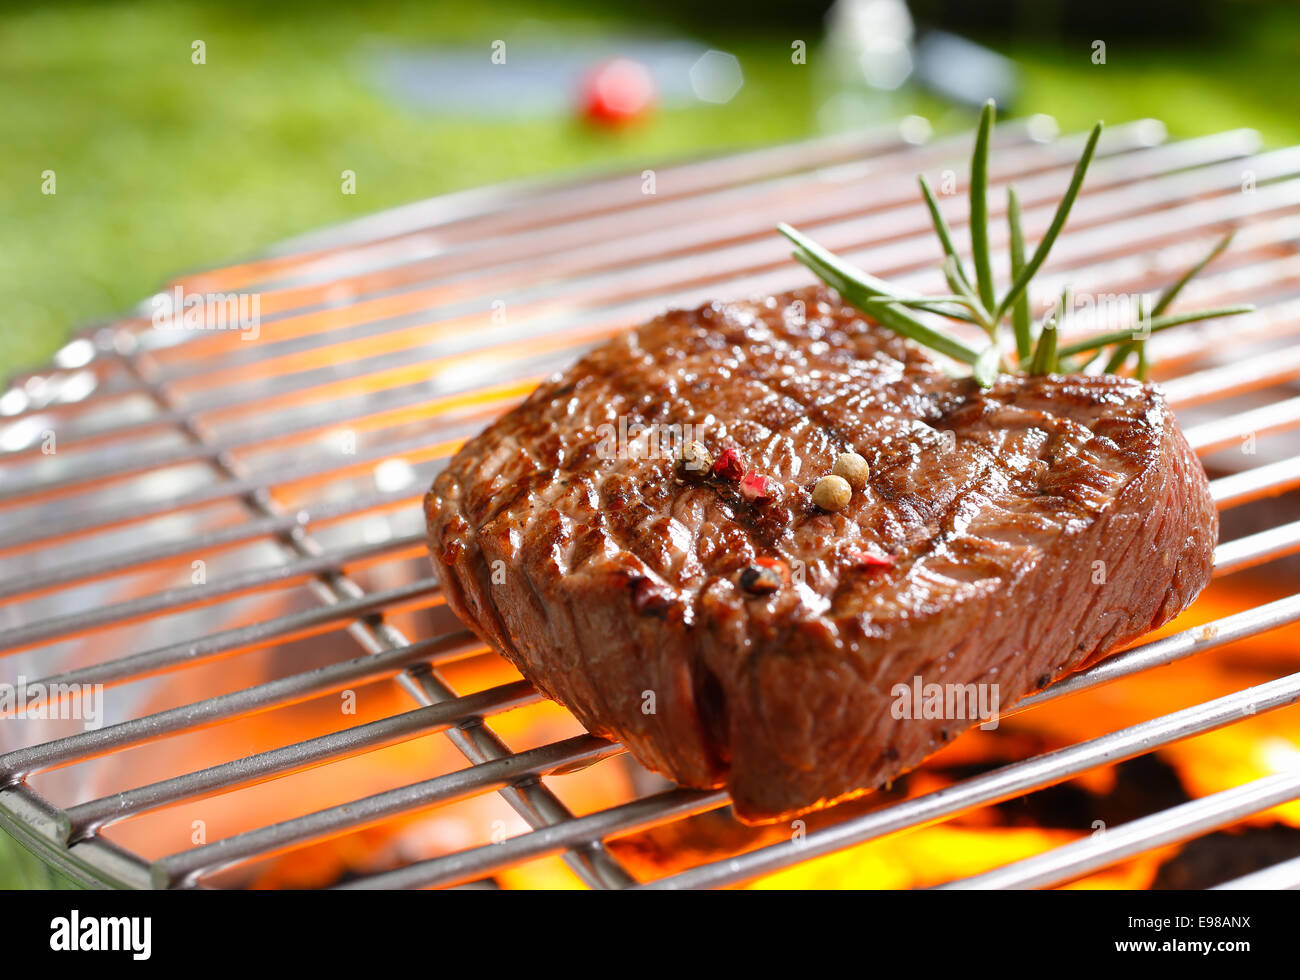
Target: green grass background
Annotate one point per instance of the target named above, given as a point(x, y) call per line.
point(163, 165)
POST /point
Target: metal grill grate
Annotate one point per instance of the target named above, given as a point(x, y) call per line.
point(293, 463)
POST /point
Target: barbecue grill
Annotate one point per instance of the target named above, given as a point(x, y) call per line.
point(220, 523)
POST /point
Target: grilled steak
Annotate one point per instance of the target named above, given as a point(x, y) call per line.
point(727, 637)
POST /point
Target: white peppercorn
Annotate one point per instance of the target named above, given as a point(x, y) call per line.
point(832, 493)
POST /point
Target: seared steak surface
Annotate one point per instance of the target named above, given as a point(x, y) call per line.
point(1009, 534)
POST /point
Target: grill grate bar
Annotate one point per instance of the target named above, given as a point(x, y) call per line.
point(1255, 549)
point(1225, 432)
point(180, 870)
point(86, 818)
point(1285, 875)
point(50, 404)
point(1225, 380)
point(149, 460)
point(1249, 485)
point(84, 571)
point(1011, 781)
point(1170, 649)
point(642, 814)
point(909, 252)
point(421, 592)
point(1172, 826)
point(107, 518)
point(550, 267)
point(277, 693)
point(97, 863)
point(531, 799)
point(189, 596)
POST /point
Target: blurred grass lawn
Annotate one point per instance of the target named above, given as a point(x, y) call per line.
point(162, 165)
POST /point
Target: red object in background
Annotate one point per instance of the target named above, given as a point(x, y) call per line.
point(617, 92)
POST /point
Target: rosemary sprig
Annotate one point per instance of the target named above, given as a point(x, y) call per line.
point(1037, 352)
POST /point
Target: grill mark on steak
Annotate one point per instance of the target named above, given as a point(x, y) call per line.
point(625, 574)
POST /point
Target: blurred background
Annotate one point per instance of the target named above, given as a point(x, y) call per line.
point(144, 139)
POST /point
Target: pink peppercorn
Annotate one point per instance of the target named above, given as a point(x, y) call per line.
point(729, 465)
point(757, 488)
point(872, 559)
